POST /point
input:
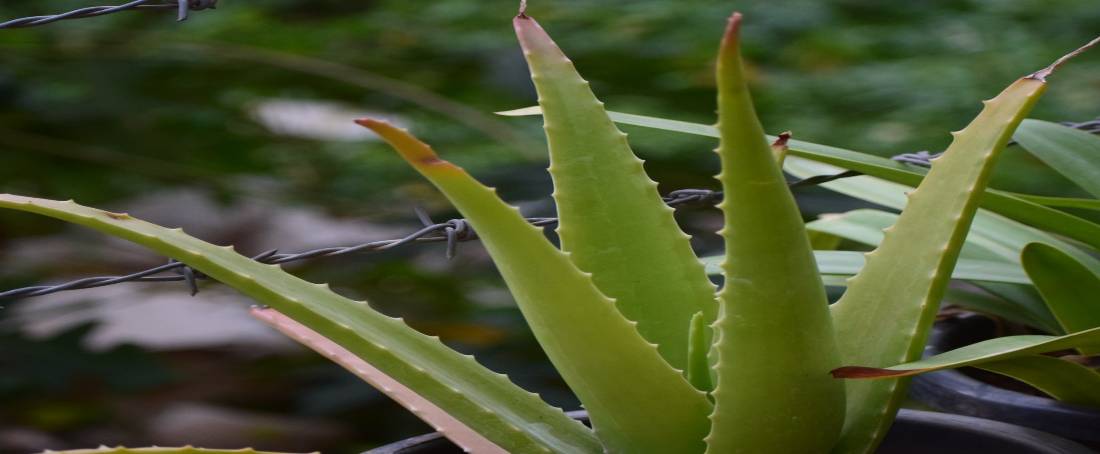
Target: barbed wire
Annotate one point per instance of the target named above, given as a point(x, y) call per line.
point(451, 232)
point(183, 8)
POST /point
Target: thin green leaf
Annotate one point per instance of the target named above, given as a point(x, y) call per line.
point(885, 314)
point(991, 237)
point(637, 403)
point(848, 263)
point(1059, 202)
point(1064, 380)
point(612, 221)
point(978, 299)
point(774, 340)
point(1072, 152)
point(487, 402)
point(985, 352)
point(1070, 286)
point(1004, 203)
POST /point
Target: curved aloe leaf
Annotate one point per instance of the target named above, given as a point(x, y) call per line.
point(1072, 152)
point(1070, 286)
point(612, 221)
point(1064, 380)
point(440, 420)
point(848, 263)
point(985, 352)
point(637, 403)
point(159, 450)
point(486, 401)
point(774, 339)
point(1030, 212)
point(884, 316)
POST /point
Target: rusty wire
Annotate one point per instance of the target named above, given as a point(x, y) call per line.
point(182, 7)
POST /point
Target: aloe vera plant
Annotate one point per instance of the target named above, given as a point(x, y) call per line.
point(662, 361)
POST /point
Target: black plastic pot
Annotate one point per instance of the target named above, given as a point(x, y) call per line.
point(914, 432)
point(955, 392)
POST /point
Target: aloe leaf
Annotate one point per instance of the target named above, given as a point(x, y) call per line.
point(159, 450)
point(1070, 286)
point(985, 352)
point(698, 368)
point(774, 339)
point(1064, 380)
point(612, 221)
point(1073, 153)
point(1030, 212)
point(443, 423)
point(848, 263)
point(884, 316)
point(488, 402)
point(636, 401)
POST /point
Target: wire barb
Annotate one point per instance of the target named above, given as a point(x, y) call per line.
point(183, 8)
point(450, 232)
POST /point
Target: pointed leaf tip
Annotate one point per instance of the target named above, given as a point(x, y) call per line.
point(522, 10)
point(412, 149)
point(869, 372)
point(733, 32)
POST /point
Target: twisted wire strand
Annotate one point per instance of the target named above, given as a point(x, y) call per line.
point(183, 7)
point(451, 232)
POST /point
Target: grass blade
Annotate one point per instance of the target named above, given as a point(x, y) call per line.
point(774, 339)
point(487, 402)
point(848, 263)
point(985, 352)
point(612, 221)
point(637, 403)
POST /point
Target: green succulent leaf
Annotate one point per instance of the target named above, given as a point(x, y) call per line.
point(1070, 286)
point(979, 354)
point(637, 402)
point(1062, 379)
point(884, 316)
point(487, 402)
point(158, 450)
point(612, 221)
point(1027, 209)
point(1072, 152)
point(774, 339)
point(698, 370)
